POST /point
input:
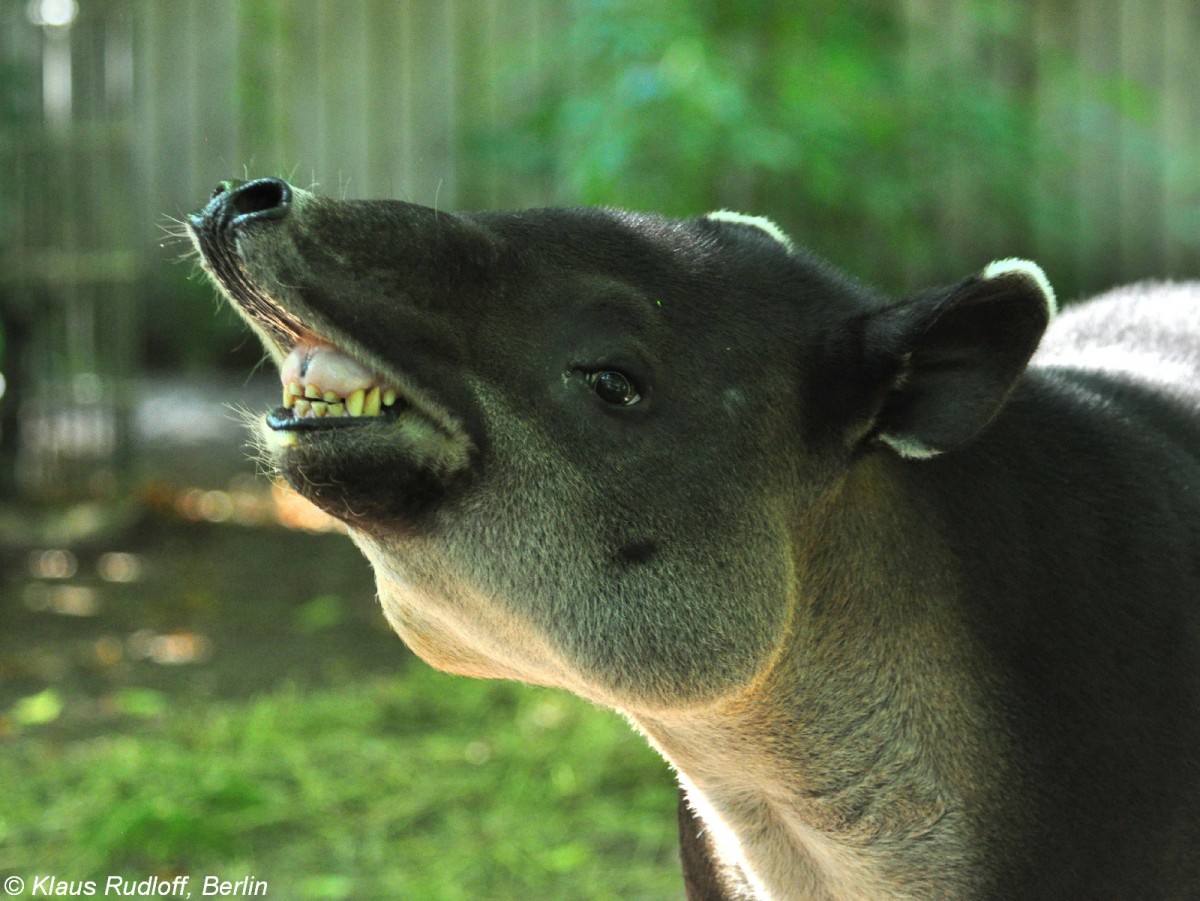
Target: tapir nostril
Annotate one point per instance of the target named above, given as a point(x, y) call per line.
point(234, 203)
point(266, 198)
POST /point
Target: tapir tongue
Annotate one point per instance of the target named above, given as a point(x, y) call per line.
point(327, 368)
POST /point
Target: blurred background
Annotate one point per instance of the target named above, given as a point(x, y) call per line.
point(193, 675)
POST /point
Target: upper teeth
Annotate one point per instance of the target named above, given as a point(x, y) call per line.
point(311, 401)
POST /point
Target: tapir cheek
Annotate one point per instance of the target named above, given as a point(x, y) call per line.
point(437, 647)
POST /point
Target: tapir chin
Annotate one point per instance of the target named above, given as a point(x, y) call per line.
point(911, 610)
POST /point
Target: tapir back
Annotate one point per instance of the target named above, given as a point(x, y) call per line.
point(1077, 520)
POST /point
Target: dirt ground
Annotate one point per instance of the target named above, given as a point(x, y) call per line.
point(187, 586)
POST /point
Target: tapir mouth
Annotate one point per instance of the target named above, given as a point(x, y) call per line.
point(324, 387)
point(347, 424)
point(325, 384)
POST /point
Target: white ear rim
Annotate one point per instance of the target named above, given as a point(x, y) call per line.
point(1029, 270)
point(762, 223)
point(908, 448)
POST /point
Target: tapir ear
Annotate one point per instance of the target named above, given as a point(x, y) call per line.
point(954, 355)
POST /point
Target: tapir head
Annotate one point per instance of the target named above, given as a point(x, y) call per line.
point(585, 447)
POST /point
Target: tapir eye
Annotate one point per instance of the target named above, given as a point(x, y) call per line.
point(614, 387)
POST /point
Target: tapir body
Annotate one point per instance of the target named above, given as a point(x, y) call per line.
point(910, 615)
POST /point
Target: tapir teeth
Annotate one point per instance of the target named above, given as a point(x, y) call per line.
point(371, 405)
point(331, 384)
point(312, 401)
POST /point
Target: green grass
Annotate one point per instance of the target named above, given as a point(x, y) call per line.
point(422, 787)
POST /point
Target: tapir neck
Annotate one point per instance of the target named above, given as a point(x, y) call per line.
point(842, 772)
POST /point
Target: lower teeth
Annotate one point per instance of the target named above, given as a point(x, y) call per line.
point(284, 418)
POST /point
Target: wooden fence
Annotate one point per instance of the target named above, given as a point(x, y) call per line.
point(386, 97)
point(139, 107)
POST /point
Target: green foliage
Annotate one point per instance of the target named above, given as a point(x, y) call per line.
point(38, 709)
point(425, 787)
point(17, 106)
point(324, 612)
point(195, 329)
point(902, 147)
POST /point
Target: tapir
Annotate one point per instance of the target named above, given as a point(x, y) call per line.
point(906, 591)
